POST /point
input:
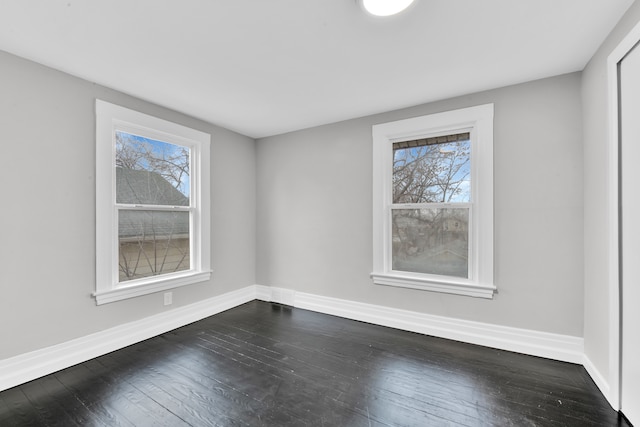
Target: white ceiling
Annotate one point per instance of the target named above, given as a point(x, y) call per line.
point(267, 67)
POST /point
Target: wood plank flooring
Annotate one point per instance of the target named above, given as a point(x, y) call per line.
point(263, 364)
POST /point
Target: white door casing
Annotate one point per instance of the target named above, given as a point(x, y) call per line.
point(629, 93)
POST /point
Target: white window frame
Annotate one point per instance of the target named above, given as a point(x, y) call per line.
point(109, 119)
point(478, 121)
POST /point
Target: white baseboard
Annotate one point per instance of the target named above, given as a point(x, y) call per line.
point(553, 346)
point(600, 381)
point(29, 366)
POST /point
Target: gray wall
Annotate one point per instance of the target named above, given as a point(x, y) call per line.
point(47, 248)
point(596, 183)
point(315, 219)
point(313, 204)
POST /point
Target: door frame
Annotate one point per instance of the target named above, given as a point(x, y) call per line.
point(615, 339)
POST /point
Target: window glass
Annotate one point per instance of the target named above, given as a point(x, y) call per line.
point(151, 172)
point(432, 170)
point(431, 241)
point(152, 243)
point(428, 172)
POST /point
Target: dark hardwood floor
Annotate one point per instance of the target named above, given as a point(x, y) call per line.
point(268, 365)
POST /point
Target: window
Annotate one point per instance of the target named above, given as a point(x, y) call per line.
point(152, 204)
point(433, 202)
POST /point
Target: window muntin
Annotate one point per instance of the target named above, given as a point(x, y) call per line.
point(433, 226)
point(152, 204)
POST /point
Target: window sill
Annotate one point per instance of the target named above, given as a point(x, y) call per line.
point(434, 285)
point(145, 288)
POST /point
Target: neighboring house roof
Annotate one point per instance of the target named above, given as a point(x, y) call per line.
point(149, 188)
point(146, 187)
point(446, 254)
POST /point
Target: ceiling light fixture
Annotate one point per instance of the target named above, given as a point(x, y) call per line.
point(385, 7)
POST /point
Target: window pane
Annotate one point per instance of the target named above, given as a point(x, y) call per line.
point(152, 243)
point(151, 172)
point(431, 241)
point(433, 170)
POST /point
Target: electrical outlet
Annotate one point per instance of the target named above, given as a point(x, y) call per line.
point(168, 298)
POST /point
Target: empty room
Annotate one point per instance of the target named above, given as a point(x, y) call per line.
point(319, 213)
